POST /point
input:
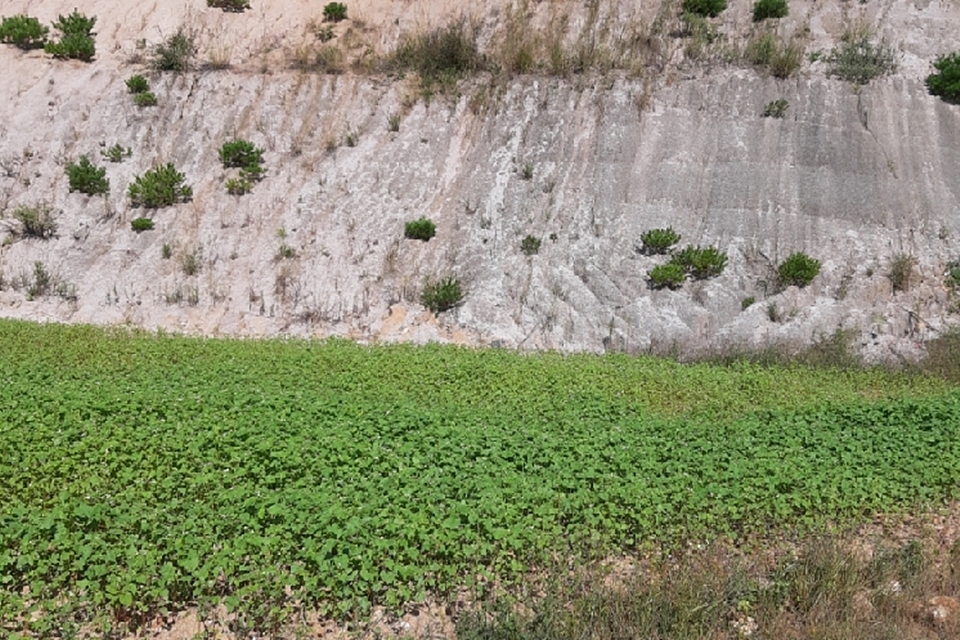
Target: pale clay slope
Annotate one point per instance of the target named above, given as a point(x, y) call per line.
point(850, 178)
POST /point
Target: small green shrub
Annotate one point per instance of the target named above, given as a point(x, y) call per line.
point(240, 153)
point(253, 172)
point(335, 12)
point(145, 99)
point(526, 172)
point(166, 252)
point(285, 252)
point(161, 186)
point(190, 262)
point(231, 6)
point(764, 9)
point(747, 302)
point(798, 269)
point(658, 241)
point(87, 178)
point(946, 82)
point(141, 224)
point(238, 186)
point(175, 53)
point(700, 262)
point(901, 271)
point(776, 109)
point(708, 8)
point(137, 84)
point(443, 55)
point(442, 295)
point(858, 60)
point(36, 221)
point(669, 276)
point(116, 153)
point(393, 123)
point(530, 245)
point(420, 229)
point(76, 37)
point(700, 31)
point(952, 275)
point(780, 59)
point(24, 32)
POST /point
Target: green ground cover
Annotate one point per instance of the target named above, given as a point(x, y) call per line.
point(141, 473)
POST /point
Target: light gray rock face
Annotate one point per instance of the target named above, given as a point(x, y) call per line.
point(851, 176)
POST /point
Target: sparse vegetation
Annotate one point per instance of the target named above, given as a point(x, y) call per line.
point(901, 271)
point(708, 8)
point(420, 229)
point(24, 32)
point(240, 153)
point(530, 245)
point(161, 186)
point(776, 108)
point(441, 56)
point(765, 9)
point(798, 269)
point(700, 263)
point(747, 302)
point(175, 53)
point(231, 6)
point(190, 262)
point(669, 276)
point(36, 221)
point(145, 99)
point(526, 171)
point(76, 37)
point(166, 252)
point(116, 153)
point(953, 275)
point(393, 122)
point(137, 84)
point(334, 12)
point(779, 59)
point(87, 178)
point(856, 59)
point(141, 224)
point(238, 186)
point(658, 241)
point(946, 81)
point(442, 295)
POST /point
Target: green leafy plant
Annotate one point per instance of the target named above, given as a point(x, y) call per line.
point(137, 84)
point(76, 37)
point(240, 153)
point(946, 81)
point(708, 8)
point(530, 245)
point(442, 295)
point(798, 269)
point(238, 186)
point(747, 302)
point(658, 241)
point(161, 186)
point(87, 178)
point(175, 53)
point(856, 59)
point(420, 229)
point(776, 108)
point(145, 99)
point(334, 12)
point(141, 224)
point(667, 276)
point(764, 9)
point(901, 271)
point(36, 221)
point(526, 171)
point(231, 6)
point(700, 262)
point(116, 153)
point(23, 31)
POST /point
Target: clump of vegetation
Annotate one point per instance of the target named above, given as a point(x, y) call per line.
point(393, 123)
point(238, 186)
point(137, 84)
point(669, 276)
point(420, 229)
point(141, 224)
point(245, 155)
point(87, 178)
point(526, 171)
point(764, 9)
point(36, 221)
point(190, 262)
point(700, 262)
point(953, 275)
point(780, 59)
point(145, 99)
point(442, 295)
point(442, 56)
point(946, 81)
point(708, 8)
point(658, 241)
point(530, 245)
point(231, 6)
point(76, 37)
point(24, 32)
point(161, 186)
point(776, 108)
point(747, 302)
point(116, 153)
point(175, 53)
point(901, 271)
point(701, 32)
point(856, 59)
point(334, 12)
point(798, 269)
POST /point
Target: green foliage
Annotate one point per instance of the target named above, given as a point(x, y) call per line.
point(798, 269)
point(530, 245)
point(231, 6)
point(420, 229)
point(747, 302)
point(36, 221)
point(953, 275)
point(442, 55)
point(658, 241)
point(780, 59)
point(240, 153)
point(442, 295)
point(669, 276)
point(700, 262)
point(946, 82)
point(166, 252)
point(776, 108)
point(116, 153)
point(87, 178)
point(76, 37)
point(141, 224)
point(145, 99)
point(764, 9)
point(161, 186)
point(175, 53)
point(334, 12)
point(901, 271)
point(858, 60)
point(137, 84)
point(708, 8)
point(23, 31)
point(238, 186)
point(526, 172)
point(393, 123)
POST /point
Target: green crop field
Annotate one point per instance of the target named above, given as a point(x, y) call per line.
point(141, 473)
